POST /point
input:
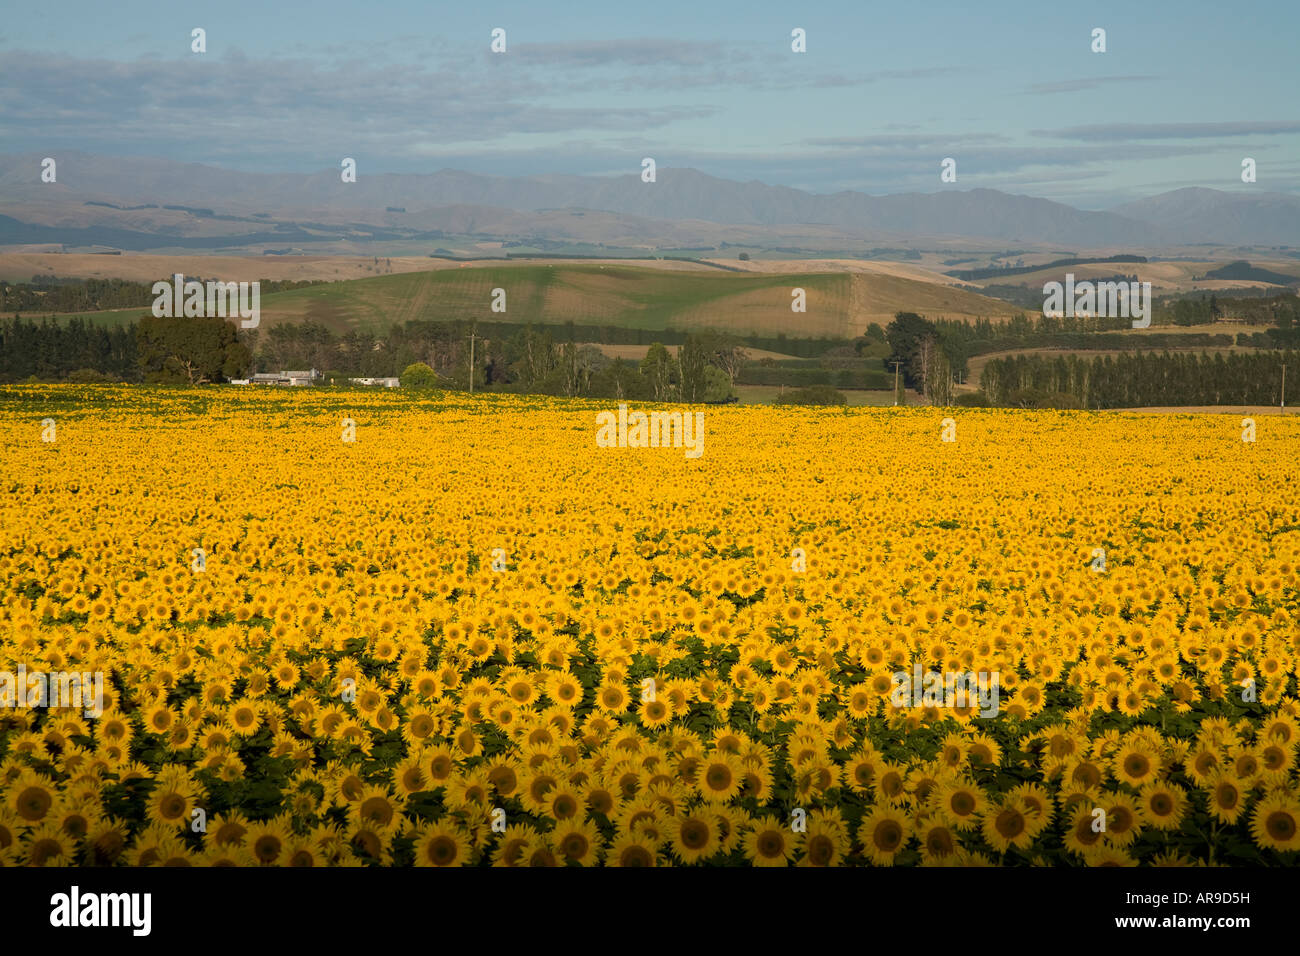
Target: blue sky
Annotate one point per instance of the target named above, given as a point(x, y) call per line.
point(1012, 91)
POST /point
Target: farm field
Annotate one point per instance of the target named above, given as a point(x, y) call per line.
point(653, 297)
point(1165, 276)
point(473, 636)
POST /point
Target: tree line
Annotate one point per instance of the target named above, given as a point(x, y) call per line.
point(933, 355)
point(531, 361)
point(56, 350)
point(1133, 380)
point(49, 294)
point(456, 355)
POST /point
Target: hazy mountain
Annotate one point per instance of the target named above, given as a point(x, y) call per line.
point(503, 205)
point(1210, 215)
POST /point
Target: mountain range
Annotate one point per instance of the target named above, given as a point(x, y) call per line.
point(120, 201)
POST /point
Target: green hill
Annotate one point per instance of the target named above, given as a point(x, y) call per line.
point(839, 304)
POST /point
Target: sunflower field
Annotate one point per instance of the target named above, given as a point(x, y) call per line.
point(360, 629)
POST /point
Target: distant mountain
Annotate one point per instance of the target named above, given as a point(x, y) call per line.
point(631, 207)
point(1211, 215)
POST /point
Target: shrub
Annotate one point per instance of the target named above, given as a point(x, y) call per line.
point(418, 375)
point(813, 395)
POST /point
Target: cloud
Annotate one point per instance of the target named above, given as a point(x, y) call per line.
point(1084, 83)
point(621, 52)
point(286, 111)
point(910, 141)
point(1121, 132)
point(216, 108)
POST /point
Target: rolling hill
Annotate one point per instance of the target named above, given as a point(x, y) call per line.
point(839, 304)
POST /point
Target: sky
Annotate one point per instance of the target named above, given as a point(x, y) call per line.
point(884, 93)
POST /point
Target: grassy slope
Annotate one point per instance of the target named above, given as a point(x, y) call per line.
point(838, 304)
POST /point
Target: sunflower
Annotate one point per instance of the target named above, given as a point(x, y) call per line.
point(983, 749)
point(409, 776)
point(612, 698)
point(1084, 833)
point(959, 803)
point(952, 751)
point(756, 783)
point(226, 856)
point(1278, 758)
point(601, 799)
point(1135, 764)
point(577, 842)
point(370, 844)
point(105, 842)
point(48, 845)
point(1161, 805)
point(1247, 765)
point(862, 701)
point(114, 728)
point(226, 830)
point(823, 844)
point(694, 837)
point(768, 843)
point(172, 798)
point(268, 841)
point(884, 833)
point(467, 742)
point(1226, 799)
point(150, 844)
point(536, 787)
point(31, 797)
point(1275, 824)
point(304, 853)
point(440, 765)
point(1203, 764)
point(565, 689)
point(563, 803)
point(633, 849)
point(173, 852)
point(860, 770)
point(1284, 728)
point(1123, 819)
point(419, 725)
point(1038, 804)
point(9, 828)
point(1081, 774)
point(376, 807)
point(441, 844)
point(1006, 824)
point(655, 713)
point(720, 777)
point(1106, 855)
point(509, 852)
point(244, 717)
point(939, 845)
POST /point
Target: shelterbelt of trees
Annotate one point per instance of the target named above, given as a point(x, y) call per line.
point(1142, 379)
point(187, 350)
point(930, 356)
point(46, 295)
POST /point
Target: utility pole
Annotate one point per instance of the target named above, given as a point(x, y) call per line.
point(471, 363)
point(1282, 407)
point(896, 364)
